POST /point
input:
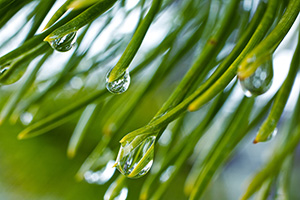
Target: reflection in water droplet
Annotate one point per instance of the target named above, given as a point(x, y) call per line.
point(119, 85)
point(110, 193)
point(274, 133)
point(260, 81)
point(64, 43)
point(100, 176)
point(136, 162)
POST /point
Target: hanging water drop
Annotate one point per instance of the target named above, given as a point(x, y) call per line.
point(135, 161)
point(260, 81)
point(271, 136)
point(64, 43)
point(119, 85)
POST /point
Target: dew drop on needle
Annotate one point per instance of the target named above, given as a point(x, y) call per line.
point(260, 81)
point(136, 162)
point(119, 85)
point(271, 136)
point(64, 43)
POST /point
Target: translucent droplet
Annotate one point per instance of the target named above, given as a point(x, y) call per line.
point(260, 81)
point(64, 43)
point(274, 133)
point(119, 85)
point(136, 161)
point(102, 175)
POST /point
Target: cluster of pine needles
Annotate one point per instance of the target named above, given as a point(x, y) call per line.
point(106, 58)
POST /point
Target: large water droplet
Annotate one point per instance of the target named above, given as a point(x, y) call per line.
point(135, 162)
point(260, 81)
point(64, 43)
point(119, 85)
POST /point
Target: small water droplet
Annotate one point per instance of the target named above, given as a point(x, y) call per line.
point(119, 85)
point(274, 133)
point(64, 43)
point(135, 162)
point(260, 81)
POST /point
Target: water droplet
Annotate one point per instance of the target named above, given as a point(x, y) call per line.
point(260, 81)
point(119, 85)
point(64, 43)
point(102, 175)
point(274, 133)
point(135, 160)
